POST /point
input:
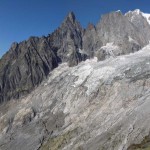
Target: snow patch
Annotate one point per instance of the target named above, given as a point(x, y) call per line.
point(137, 11)
point(118, 11)
point(98, 74)
point(133, 14)
point(57, 72)
point(111, 49)
point(83, 70)
point(147, 16)
point(82, 51)
point(132, 40)
point(82, 73)
point(110, 46)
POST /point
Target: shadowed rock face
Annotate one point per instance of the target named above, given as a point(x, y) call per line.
point(28, 63)
point(25, 66)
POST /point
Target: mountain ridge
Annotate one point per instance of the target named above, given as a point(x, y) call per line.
point(27, 63)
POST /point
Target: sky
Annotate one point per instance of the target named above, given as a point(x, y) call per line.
point(20, 19)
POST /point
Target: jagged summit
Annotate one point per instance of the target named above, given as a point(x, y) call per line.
point(90, 26)
point(118, 11)
point(141, 21)
point(71, 16)
point(138, 12)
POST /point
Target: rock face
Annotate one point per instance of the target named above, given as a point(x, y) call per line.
point(24, 66)
point(67, 40)
point(90, 40)
point(62, 97)
point(140, 21)
point(29, 62)
point(116, 28)
point(95, 105)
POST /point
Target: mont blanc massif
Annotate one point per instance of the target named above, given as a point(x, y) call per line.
point(79, 89)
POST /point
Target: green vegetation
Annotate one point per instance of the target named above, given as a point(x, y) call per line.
point(58, 142)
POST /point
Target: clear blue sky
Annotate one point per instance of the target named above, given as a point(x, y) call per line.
point(20, 19)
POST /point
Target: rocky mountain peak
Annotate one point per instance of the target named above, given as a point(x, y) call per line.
point(71, 17)
point(90, 26)
point(137, 11)
point(133, 13)
point(141, 21)
point(14, 45)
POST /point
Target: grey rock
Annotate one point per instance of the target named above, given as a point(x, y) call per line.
point(91, 42)
point(27, 63)
point(25, 66)
point(67, 39)
point(95, 105)
point(115, 27)
point(137, 18)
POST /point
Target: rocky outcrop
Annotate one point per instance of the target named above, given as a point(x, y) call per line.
point(91, 42)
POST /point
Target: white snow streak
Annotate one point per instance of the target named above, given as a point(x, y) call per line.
point(147, 16)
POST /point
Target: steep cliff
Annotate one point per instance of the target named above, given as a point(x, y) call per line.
point(27, 63)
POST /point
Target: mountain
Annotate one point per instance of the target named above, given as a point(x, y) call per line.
point(80, 89)
point(27, 63)
point(139, 19)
